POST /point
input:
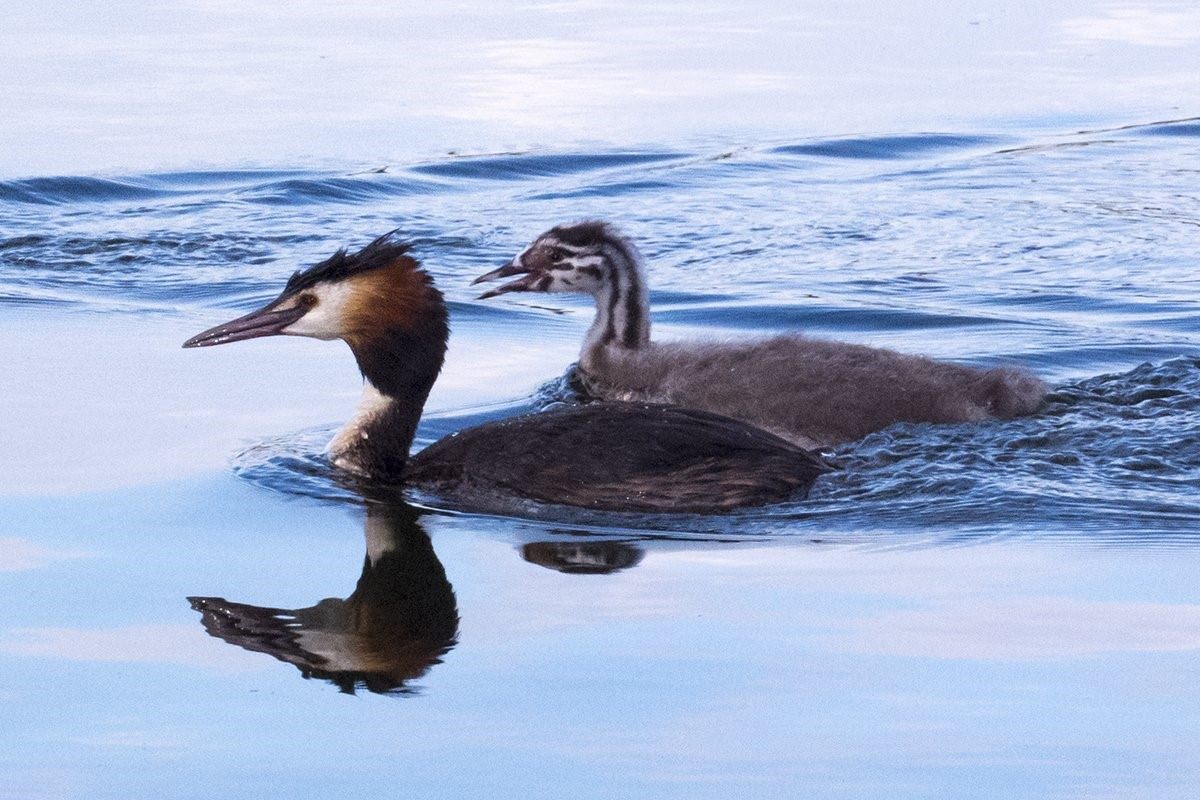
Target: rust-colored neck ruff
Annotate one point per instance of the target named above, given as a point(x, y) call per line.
point(396, 324)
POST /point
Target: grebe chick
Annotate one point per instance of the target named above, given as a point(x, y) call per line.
point(615, 457)
point(813, 392)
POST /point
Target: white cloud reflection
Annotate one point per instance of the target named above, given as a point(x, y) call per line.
point(562, 84)
point(1025, 628)
point(184, 645)
point(19, 555)
point(977, 603)
point(1149, 27)
point(224, 81)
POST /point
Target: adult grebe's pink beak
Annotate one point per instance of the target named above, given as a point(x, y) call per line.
point(263, 322)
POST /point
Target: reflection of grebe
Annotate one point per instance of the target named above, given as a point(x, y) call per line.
point(810, 391)
point(583, 558)
point(620, 456)
point(399, 621)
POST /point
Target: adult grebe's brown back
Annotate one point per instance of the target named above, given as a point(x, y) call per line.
point(812, 392)
point(609, 456)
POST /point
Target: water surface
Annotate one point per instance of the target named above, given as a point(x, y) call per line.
point(196, 608)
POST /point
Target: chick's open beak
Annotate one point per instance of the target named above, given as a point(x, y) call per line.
point(263, 322)
point(523, 284)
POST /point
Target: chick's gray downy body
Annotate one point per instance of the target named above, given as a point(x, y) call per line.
point(812, 392)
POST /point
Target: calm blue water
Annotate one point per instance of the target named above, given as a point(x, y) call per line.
point(194, 608)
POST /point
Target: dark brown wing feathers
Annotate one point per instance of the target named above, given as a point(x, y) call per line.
point(620, 457)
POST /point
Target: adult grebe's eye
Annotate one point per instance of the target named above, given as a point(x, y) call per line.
point(306, 300)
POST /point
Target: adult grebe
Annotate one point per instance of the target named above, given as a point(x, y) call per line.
point(812, 392)
point(618, 456)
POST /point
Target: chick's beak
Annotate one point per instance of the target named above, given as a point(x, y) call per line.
point(515, 267)
point(263, 322)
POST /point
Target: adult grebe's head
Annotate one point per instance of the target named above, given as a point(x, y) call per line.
point(378, 300)
point(356, 297)
point(587, 257)
point(382, 304)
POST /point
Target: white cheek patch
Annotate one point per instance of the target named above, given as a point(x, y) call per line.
point(324, 320)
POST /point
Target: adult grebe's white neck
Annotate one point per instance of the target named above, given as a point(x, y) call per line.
point(356, 432)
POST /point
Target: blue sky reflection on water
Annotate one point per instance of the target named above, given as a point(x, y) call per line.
point(758, 669)
point(128, 85)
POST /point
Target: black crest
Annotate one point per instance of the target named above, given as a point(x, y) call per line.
point(341, 265)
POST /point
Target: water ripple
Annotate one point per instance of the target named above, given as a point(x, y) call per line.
point(1181, 127)
point(524, 167)
point(1115, 453)
point(316, 191)
point(1072, 253)
point(1115, 458)
point(886, 147)
point(51, 191)
point(154, 268)
point(612, 189)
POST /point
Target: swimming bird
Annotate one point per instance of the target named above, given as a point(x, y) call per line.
point(812, 392)
point(610, 456)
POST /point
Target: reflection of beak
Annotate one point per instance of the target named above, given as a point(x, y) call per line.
point(522, 284)
point(253, 325)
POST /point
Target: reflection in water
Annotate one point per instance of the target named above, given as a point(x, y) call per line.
point(399, 621)
point(583, 558)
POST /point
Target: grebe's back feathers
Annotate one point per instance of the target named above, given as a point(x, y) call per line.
point(669, 459)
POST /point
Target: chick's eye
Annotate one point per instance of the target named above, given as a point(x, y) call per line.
point(557, 254)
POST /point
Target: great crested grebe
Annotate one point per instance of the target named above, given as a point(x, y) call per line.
point(608, 456)
point(813, 392)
